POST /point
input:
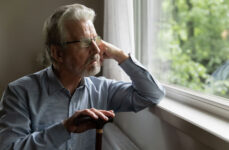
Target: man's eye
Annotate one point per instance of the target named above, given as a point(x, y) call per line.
point(84, 44)
point(86, 40)
point(98, 40)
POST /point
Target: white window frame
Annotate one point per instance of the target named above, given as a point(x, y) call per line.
point(182, 94)
point(213, 104)
point(186, 101)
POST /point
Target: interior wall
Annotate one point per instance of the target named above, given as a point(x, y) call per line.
point(21, 40)
point(149, 132)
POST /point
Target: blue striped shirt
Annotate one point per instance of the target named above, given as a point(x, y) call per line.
point(33, 107)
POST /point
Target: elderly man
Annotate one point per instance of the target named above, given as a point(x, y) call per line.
point(37, 112)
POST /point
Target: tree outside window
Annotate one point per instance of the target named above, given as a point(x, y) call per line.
point(194, 45)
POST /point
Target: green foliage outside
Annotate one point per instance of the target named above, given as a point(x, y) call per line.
point(194, 42)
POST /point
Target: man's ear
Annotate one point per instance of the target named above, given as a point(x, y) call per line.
point(56, 53)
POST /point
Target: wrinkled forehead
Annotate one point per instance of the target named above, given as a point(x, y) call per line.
point(79, 29)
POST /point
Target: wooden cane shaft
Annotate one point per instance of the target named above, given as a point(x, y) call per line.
point(99, 134)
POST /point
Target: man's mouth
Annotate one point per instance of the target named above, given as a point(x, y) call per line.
point(94, 60)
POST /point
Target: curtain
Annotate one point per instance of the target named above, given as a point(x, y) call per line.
point(118, 30)
point(127, 22)
point(147, 18)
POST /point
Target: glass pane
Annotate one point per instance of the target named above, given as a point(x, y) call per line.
point(194, 45)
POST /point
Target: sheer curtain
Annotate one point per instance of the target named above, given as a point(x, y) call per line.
point(147, 18)
point(122, 18)
point(118, 30)
point(132, 25)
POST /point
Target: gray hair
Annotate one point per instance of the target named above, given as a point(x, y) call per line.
point(54, 26)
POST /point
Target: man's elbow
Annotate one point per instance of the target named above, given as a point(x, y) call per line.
point(159, 96)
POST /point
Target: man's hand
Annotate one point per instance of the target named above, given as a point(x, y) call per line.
point(69, 123)
point(108, 51)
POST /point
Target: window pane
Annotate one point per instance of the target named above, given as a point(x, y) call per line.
point(194, 45)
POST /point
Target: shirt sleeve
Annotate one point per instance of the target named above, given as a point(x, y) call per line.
point(15, 126)
point(143, 91)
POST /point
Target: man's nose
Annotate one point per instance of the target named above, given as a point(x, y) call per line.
point(94, 47)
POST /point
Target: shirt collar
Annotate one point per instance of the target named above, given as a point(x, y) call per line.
point(54, 83)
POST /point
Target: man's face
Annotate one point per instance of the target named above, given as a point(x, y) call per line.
point(79, 60)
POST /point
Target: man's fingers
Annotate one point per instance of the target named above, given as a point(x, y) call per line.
point(100, 114)
point(103, 114)
point(93, 113)
point(89, 112)
point(109, 113)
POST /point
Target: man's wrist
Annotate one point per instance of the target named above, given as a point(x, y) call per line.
point(121, 57)
point(64, 122)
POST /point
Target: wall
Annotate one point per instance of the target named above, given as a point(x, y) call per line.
point(149, 132)
point(21, 34)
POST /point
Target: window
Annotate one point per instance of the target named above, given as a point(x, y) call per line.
point(185, 43)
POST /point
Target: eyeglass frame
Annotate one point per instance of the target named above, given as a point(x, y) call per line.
point(83, 41)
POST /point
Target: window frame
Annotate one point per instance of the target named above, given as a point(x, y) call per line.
point(211, 103)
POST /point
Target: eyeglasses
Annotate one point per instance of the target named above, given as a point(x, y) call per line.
point(85, 42)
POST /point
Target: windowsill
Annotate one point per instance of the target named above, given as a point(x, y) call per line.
point(203, 117)
point(210, 127)
point(213, 104)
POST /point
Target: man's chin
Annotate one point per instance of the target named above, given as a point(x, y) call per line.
point(93, 70)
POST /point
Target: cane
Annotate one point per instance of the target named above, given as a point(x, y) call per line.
point(99, 123)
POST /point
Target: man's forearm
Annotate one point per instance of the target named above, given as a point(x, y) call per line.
point(50, 138)
point(121, 56)
point(142, 80)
